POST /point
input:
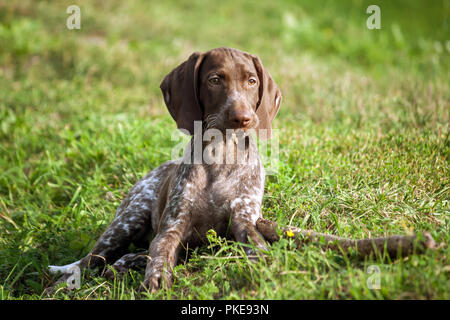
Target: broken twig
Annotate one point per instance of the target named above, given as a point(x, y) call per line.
point(394, 245)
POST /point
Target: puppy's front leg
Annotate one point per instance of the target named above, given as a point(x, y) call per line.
point(243, 227)
point(245, 232)
point(163, 253)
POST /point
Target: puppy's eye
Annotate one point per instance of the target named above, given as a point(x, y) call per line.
point(252, 81)
point(214, 80)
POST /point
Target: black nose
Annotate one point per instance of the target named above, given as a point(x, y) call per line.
point(240, 118)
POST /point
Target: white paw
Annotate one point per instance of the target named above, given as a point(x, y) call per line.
point(62, 269)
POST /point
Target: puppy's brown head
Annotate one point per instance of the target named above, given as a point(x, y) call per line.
point(224, 87)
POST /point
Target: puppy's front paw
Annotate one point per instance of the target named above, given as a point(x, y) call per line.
point(157, 280)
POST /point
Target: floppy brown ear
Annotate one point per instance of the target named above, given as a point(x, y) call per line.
point(179, 89)
point(269, 98)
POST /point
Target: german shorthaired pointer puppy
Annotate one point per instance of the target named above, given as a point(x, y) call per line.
point(177, 203)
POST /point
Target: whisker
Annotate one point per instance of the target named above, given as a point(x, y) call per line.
point(211, 120)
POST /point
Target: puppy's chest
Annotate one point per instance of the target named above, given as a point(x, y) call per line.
point(213, 188)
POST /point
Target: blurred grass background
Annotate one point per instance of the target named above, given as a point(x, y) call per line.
point(364, 143)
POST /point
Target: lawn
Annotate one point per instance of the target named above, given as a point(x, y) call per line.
point(363, 139)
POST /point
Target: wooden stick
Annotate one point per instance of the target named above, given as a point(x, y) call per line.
point(395, 245)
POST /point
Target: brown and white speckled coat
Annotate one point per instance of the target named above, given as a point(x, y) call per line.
point(178, 202)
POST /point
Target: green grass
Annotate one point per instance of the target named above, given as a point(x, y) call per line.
point(364, 139)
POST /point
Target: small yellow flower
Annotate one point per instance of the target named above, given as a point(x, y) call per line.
point(289, 233)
